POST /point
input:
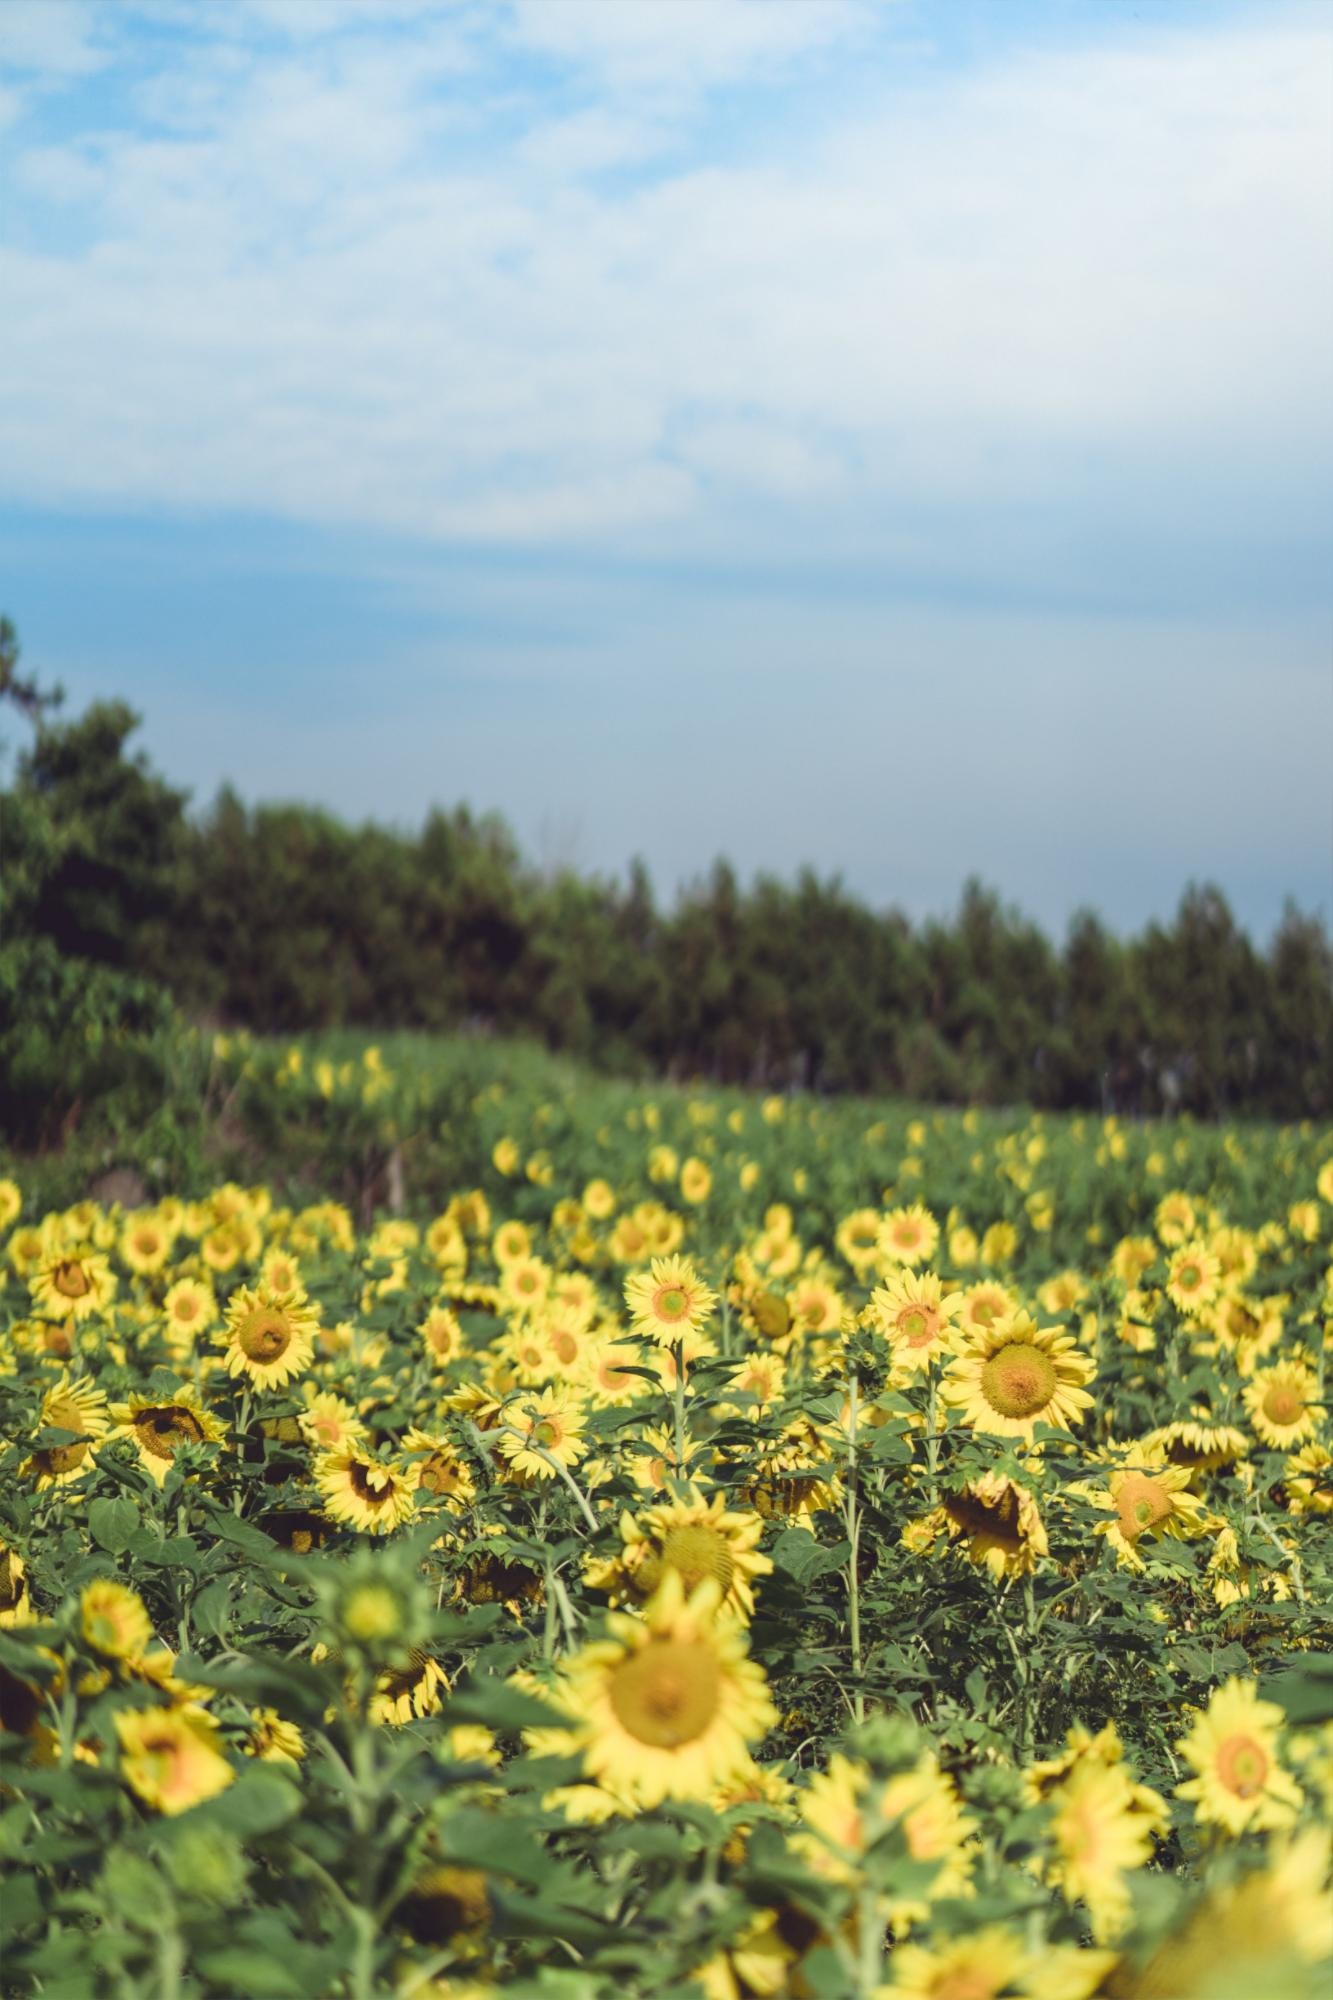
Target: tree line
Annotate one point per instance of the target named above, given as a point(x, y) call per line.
point(114, 897)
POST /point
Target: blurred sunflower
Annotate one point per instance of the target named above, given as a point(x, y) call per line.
point(1240, 1783)
point(162, 1426)
point(1283, 1403)
point(72, 1284)
point(172, 1757)
point(698, 1539)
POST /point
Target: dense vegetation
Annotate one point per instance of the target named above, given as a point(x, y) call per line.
point(117, 903)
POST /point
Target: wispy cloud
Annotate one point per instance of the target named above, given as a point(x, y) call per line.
point(520, 273)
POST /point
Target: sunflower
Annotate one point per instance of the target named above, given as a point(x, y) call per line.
point(1277, 1918)
point(543, 1428)
point(188, 1308)
point(668, 1301)
point(984, 1966)
point(1175, 1218)
point(161, 1426)
point(1192, 1278)
point(1131, 1260)
point(114, 1620)
point(401, 1695)
point(983, 1305)
point(271, 1335)
point(698, 1539)
point(844, 1811)
point(1148, 1497)
point(444, 1475)
point(145, 1243)
point(1017, 1375)
point(448, 1905)
point(857, 1239)
point(1233, 1749)
point(327, 1422)
point(753, 1965)
point(1100, 1836)
point(172, 1757)
point(1283, 1404)
point(908, 1236)
point(916, 1316)
point(1308, 1480)
point(524, 1284)
point(365, 1494)
point(668, 1703)
point(70, 1404)
point(11, 1203)
point(73, 1284)
point(1198, 1442)
point(998, 1524)
point(792, 1474)
point(442, 1337)
point(15, 1597)
point(696, 1181)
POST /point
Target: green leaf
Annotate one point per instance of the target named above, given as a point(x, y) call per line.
point(239, 1968)
point(112, 1523)
point(259, 1800)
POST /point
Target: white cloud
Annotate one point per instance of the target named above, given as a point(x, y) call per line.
point(333, 289)
point(49, 39)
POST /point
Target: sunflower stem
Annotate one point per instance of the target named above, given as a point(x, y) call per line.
point(678, 1402)
point(853, 1519)
point(932, 1435)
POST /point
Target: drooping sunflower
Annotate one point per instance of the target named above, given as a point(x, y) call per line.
point(114, 1620)
point(15, 1596)
point(696, 1538)
point(273, 1739)
point(1147, 1496)
point(669, 1703)
point(1240, 1782)
point(792, 1474)
point(172, 1757)
point(1198, 1442)
point(73, 1284)
point(161, 1426)
point(998, 1524)
point(270, 1335)
point(363, 1493)
point(1308, 1480)
point(1016, 1375)
point(70, 1404)
point(916, 1316)
point(668, 1301)
point(1283, 1404)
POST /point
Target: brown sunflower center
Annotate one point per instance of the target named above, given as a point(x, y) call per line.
point(371, 1483)
point(71, 1280)
point(186, 1308)
point(696, 1552)
point(999, 1521)
point(1141, 1504)
point(918, 1325)
point(1019, 1380)
point(670, 1303)
point(667, 1693)
point(163, 1431)
point(1283, 1405)
point(265, 1335)
point(1242, 1766)
point(441, 1475)
point(565, 1347)
point(966, 1982)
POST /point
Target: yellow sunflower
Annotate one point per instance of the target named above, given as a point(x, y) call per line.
point(444, 1475)
point(1016, 1375)
point(916, 1316)
point(844, 1811)
point(15, 1596)
point(698, 1539)
point(442, 1337)
point(1233, 1748)
point(401, 1695)
point(273, 1739)
point(11, 1203)
point(998, 1524)
point(172, 1757)
point(188, 1308)
point(160, 1426)
point(984, 1966)
point(668, 1301)
point(537, 1429)
point(908, 1235)
point(73, 1284)
point(1100, 1836)
point(1308, 1480)
point(365, 1494)
point(1148, 1497)
point(1192, 1278)
point(857, 1239)
point(668, 1703)
point(114, 1620)
point(70, 1404)
point(1283, 1404)
point(1199, 1443)
point(1279, 1917)
point(270, 1335)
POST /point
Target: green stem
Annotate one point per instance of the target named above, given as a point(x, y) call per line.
point(853, 1519)
point(678, 1400)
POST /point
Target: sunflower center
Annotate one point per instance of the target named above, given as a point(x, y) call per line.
point(696, 1553)
point(667, 1693)
point(265, 1336)
point(670, 1303)
point(1189, 1277)
point(64, 1457)
point(999, 1523)
point(1019, 1380)
point(1141, 1504)
point(565, 1347)
point(186, 1309)
point(965, 1982)
point(547, 1435)
point(163, 1432)
point(1242, 1765)
point(371, 1483)
point(918, 1325)
point(438, 1475)
point(71, 1280)
point(1282, 1405)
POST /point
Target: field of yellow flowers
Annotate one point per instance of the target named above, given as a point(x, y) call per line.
point(699, 1546)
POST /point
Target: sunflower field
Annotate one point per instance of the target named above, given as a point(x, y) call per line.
point(646, 1543)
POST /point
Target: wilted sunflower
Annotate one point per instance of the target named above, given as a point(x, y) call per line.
point(160, 1426)
point(172, 1757)
point(70, 1404)
point(1283, 1404)
point(1233, 1748)
point(365, 1494)
point(73, 1284)
point(270, 1335)
point(916, 1316)
point(1016, 1375)
point(698, 1539)
point(668, 1703)
point(668, 1301)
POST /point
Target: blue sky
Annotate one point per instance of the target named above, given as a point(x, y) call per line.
point(888, 436)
